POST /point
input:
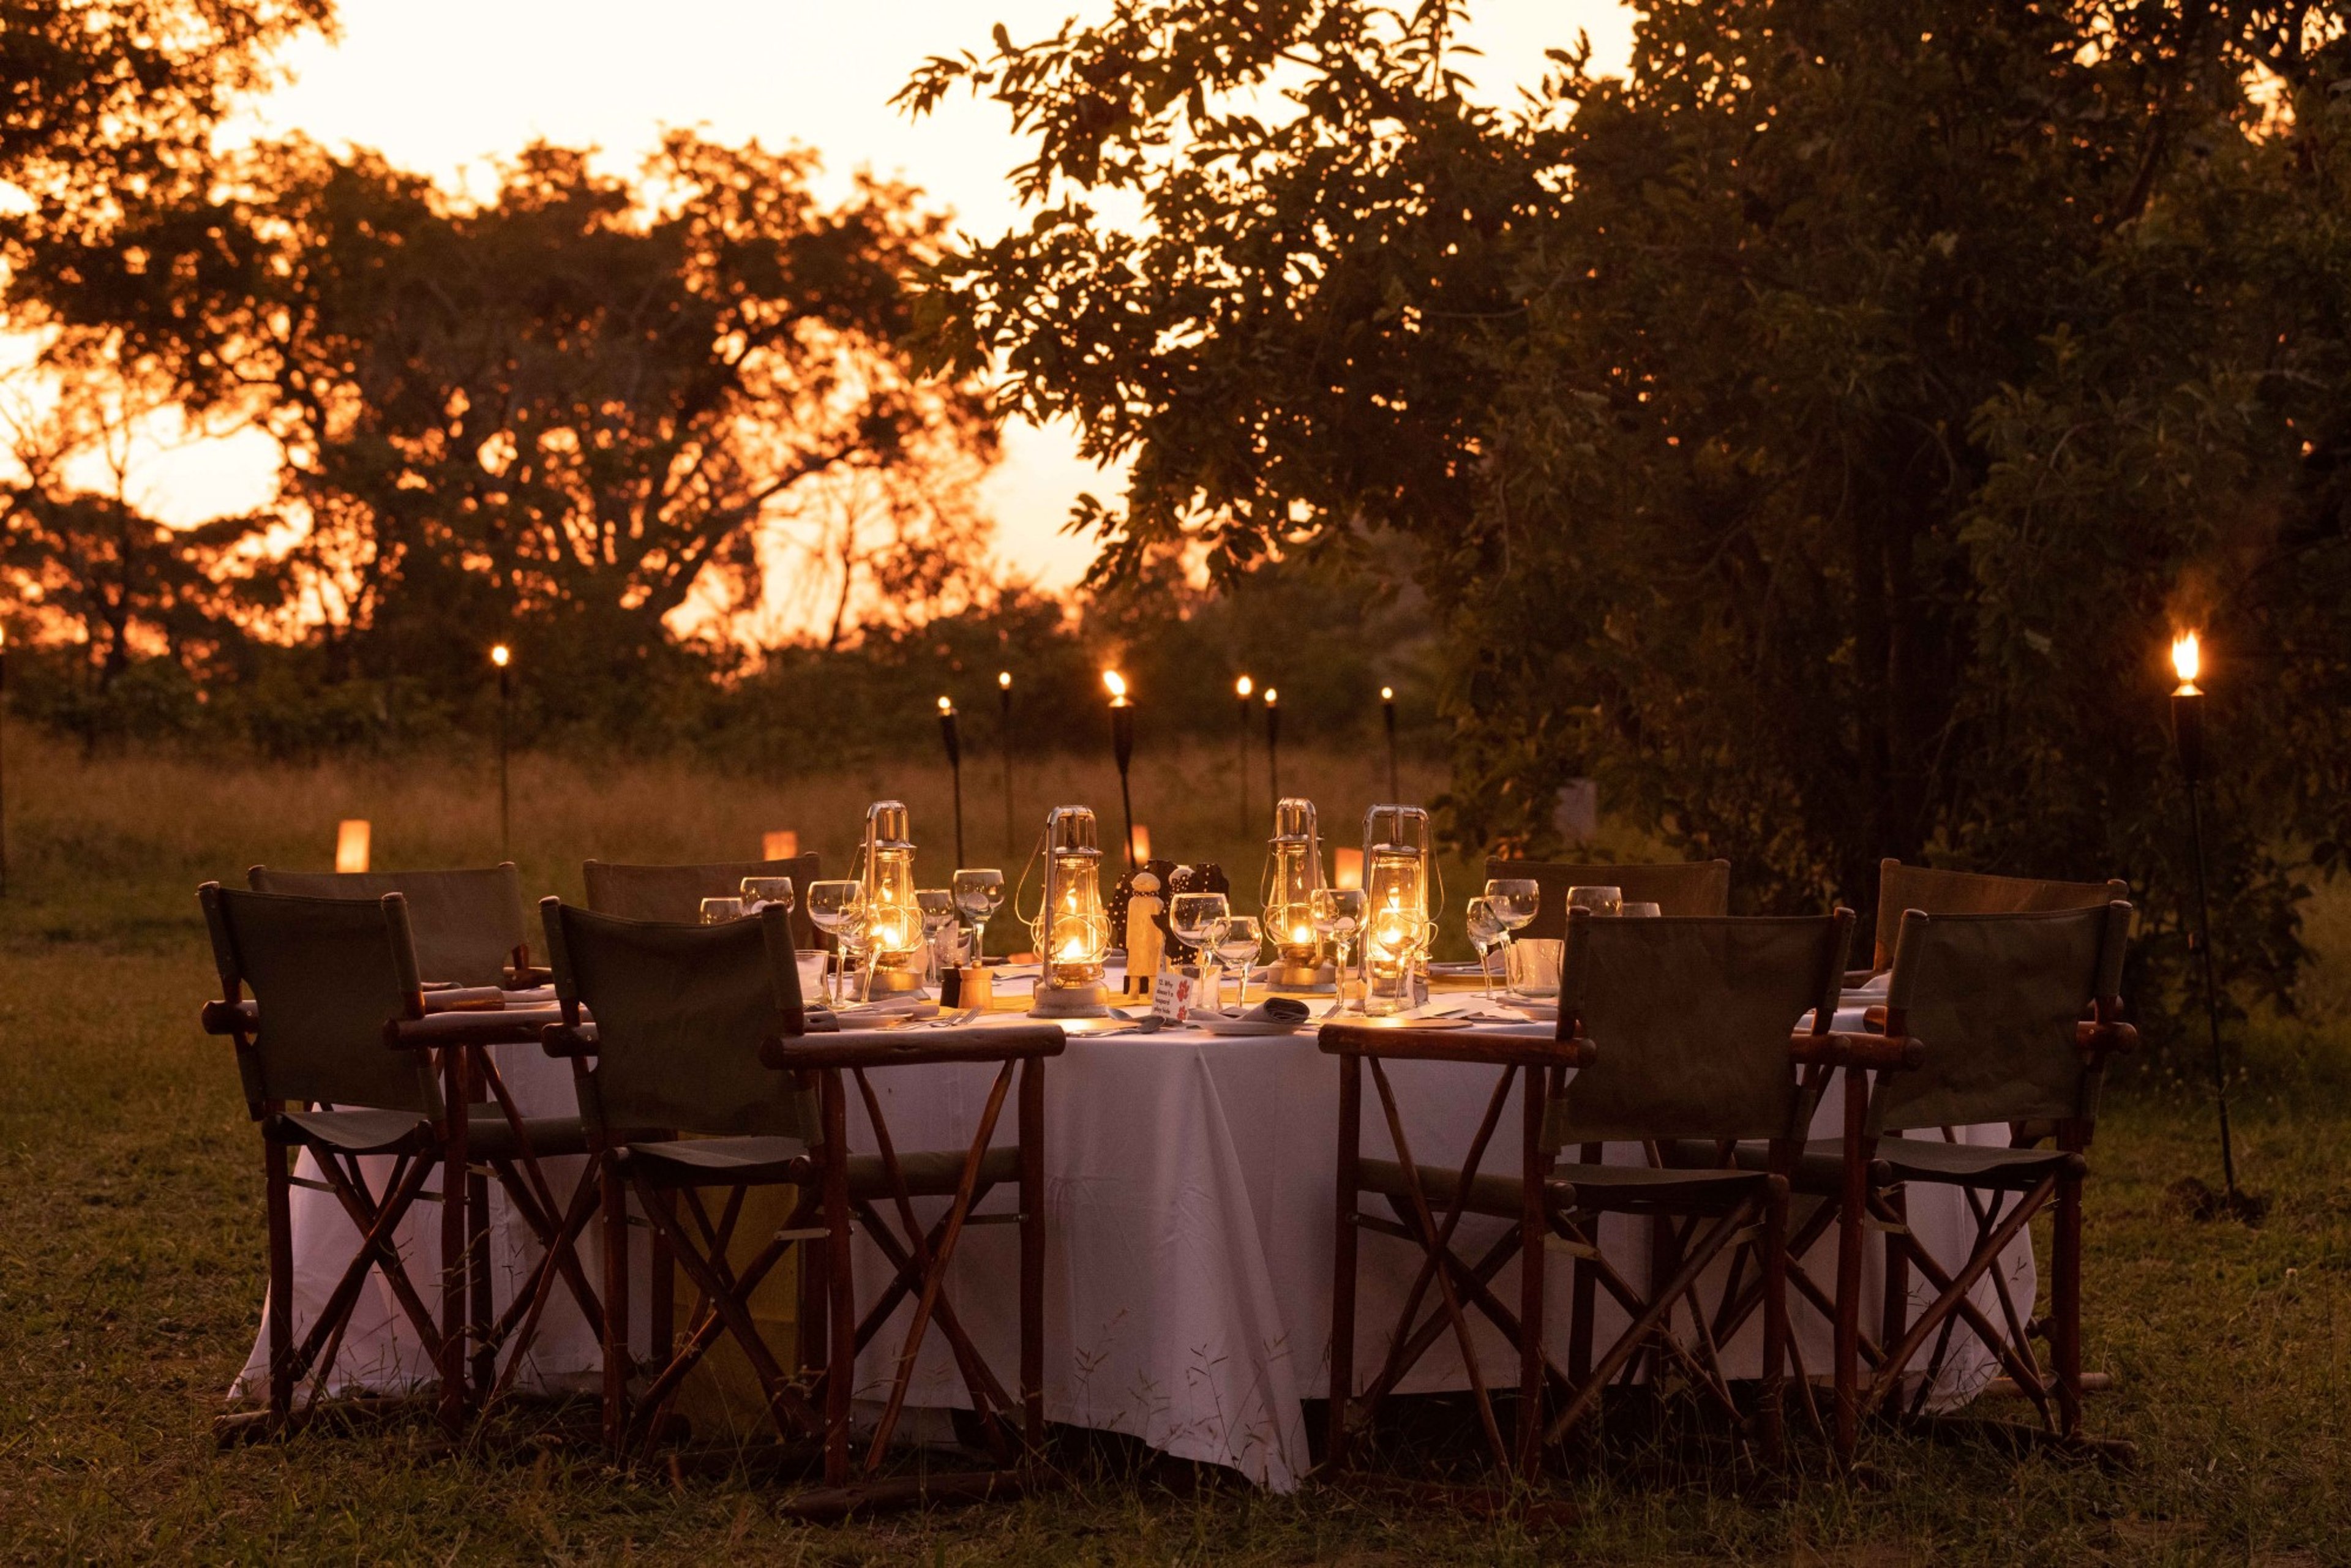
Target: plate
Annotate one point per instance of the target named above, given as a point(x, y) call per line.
point(1457, 968)
point(1546, 1011)
point(1216, 1023)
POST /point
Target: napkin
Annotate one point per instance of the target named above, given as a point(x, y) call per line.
point(1277, 1010)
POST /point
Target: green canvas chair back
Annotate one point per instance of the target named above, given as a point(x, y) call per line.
point(468, 923)
point(1901, 887)
point(326, 974)
point(675, 893)
point(681, 1012)
point(1688, 890)
point(1994, 998)
point(1689, 1022)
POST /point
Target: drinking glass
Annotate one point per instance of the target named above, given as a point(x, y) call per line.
point(1194, 917)
point(979, 894)
point(1242, 938)
point(1643, 910)
point(857, 951)
point(830, 904)
point(1339, 915)
point(939, 910)
point(1485, 931)
point(719, 911)
point(1605, 903)
point(1514, 900)
point(759, 891)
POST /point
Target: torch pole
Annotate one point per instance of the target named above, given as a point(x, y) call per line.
point(4, 762)
point(1121, 740)
point(1244, 769)
point(505, 819)
point(1273, 746)
point(954, 769)
point(1003, 743)
point(2188, 735)
point(1388, 717)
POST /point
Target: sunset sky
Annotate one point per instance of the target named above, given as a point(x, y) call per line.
point(443, 84)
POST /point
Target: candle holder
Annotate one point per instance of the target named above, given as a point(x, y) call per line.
point(1071, 928)
point(1293, 873)
point(894, 918)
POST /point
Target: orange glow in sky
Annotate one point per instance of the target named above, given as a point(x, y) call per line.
point(442, 86)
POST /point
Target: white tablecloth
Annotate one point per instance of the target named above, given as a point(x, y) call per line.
point(1190, 1202)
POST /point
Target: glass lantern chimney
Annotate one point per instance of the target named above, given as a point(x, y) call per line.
point(895, 922)
point(1293, 871)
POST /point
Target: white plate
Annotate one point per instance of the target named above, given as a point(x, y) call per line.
point(1216, 1023)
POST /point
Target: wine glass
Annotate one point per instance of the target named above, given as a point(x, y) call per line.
point(759, 891)
point(1605, 903)
point(938, 907)
point(1514, 900)
point(1642, 911)
point(830, 906)
point(1194, 918)
point(1239, 944)
point(1486, 932)
point(719, 911)
point(979, 894)
point(1339, 915)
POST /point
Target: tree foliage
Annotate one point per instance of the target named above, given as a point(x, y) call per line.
point(1817, 432)
point(576, 411)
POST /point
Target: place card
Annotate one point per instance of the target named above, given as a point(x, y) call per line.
point(1171, 996)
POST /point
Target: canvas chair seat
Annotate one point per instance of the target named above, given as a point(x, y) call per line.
point(1819, 1170)
point(350, 1131)
point(695, 1161)
point(1616, 1188)
point(489, 1137)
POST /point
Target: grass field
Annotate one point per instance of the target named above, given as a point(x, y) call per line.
point(130, 1250)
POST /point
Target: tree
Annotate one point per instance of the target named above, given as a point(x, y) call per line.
point(576, 408)
point(1817, 432)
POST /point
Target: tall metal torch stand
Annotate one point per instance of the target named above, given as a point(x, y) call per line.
point(2188, 737)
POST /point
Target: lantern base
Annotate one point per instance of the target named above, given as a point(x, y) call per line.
point(1290, 976)
point(1068, 1002)
point(888, 981)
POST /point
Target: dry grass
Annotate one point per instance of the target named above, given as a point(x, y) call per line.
point(130, 1254)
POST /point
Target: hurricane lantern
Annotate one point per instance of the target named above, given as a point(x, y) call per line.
point(1293, 873)
point(1071, 928)
point(1399, 874)
point(894, 921)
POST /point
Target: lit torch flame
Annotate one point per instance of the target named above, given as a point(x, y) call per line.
point(1115, 683)
point(2186, 659)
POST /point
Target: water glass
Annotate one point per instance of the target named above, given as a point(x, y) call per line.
point(938, 910)
point(830, 908)
point(1339, 916)
point(759, 891)
point(979, 894)
point(1605, 903)
point(1485, 931)
point(719, 911)
point(1239, 944)
point(1643, 910)
point(1195, 918)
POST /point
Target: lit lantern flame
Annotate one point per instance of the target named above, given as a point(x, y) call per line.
point(1242, 688)
point(2187, 659)
point(1115, 683)
point(500, 655)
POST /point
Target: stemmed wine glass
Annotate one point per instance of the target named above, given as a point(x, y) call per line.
point(831, 906)
point(1240, 943)
point(1513, 901)
point(1339, 915)
point(759, 891)
point(1486, 932)
point(1194, 918)
point(979, 894)
point(939, 910)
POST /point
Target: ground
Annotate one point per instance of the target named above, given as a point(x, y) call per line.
point(130, 1262)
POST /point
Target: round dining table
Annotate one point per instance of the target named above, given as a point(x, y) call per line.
point(1191, 1209)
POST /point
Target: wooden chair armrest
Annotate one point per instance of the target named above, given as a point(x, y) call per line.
point(572, 1039)
point(491, 1026)
point(1404, 1043)
point(464, 998)
point(1876, 1018)
point(2099, 1040)
point(1840, 1048)
point(230, 1018)
point(913, 1047)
